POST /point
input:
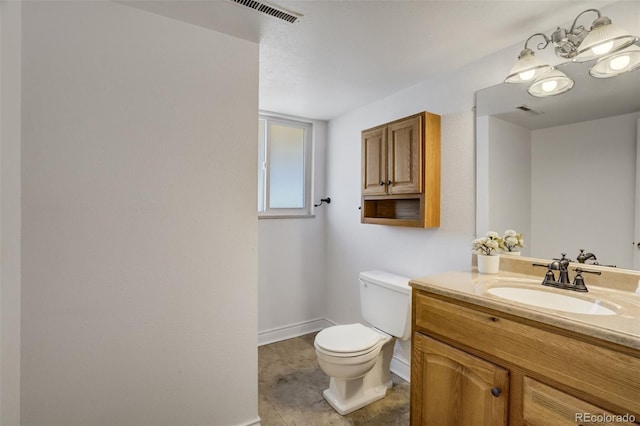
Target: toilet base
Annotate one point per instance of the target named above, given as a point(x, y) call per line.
point(349, 395)
point(357, 401)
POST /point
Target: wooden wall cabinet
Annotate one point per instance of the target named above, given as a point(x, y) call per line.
point(401, 172)
point(471, 362)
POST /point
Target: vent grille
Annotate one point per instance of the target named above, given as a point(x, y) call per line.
point(528, 109)
point(285, 15)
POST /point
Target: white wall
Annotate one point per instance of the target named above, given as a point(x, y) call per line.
point(291, 268)
point(139, 219)
point(595, 161)
point(353, 247)
point(10, 128)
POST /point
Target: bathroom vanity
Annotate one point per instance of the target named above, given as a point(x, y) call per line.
point(482, 359)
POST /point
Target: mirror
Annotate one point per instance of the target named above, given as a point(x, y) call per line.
point(561, 170)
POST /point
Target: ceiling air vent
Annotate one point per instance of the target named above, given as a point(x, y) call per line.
point(528, 109)
point(278, 12)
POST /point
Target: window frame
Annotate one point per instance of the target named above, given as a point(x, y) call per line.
point(265, 211)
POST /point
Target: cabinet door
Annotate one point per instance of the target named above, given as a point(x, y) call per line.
point(450, 387)
point(374, 145)
point(544, 405)
point(404, 152)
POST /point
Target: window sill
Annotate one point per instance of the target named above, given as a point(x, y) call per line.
point(285, 216)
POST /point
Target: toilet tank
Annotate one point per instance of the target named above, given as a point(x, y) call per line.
point(385, 300)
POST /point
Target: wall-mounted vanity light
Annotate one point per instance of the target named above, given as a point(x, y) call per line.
point(625, 60)
point(611, 45)
point(552, 83)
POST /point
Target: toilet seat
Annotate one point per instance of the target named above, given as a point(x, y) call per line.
point(349, 340)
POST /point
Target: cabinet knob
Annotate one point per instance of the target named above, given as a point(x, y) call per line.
point(381, 182)
point(389, 182)
point(496, 392)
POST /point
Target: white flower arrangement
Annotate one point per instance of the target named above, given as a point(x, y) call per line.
point(512, 241)
point(488, 245)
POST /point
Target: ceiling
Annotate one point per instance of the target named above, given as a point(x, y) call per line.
point(344, 54)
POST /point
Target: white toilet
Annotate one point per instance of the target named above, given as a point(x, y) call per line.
point(357, 357)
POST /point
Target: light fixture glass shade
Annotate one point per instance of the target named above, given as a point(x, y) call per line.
point(527, 68)
point(552, 83)
point(622, 61)
point(603, 39)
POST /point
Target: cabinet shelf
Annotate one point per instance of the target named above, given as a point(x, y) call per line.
point(402, 211)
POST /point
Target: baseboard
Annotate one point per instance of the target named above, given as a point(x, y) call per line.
point(291, 331)
point(256, 422)
point(401, 368)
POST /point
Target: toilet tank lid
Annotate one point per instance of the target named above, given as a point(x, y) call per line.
point(387, 279)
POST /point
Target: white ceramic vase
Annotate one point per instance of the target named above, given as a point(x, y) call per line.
point(488, 264)
point(512, 253)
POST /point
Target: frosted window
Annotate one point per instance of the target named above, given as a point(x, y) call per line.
point(262, 146)
point(286, 167)
point(284, 148)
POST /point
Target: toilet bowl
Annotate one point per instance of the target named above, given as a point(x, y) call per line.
point(356, 357)
point(359, 369)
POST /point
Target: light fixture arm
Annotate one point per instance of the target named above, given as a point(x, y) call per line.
point(541, 46)
point(575, 21)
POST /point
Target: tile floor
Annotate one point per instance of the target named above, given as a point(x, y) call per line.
point(290, 385)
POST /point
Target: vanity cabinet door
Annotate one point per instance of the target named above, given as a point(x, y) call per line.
point(544, 405)
point(404, 156)
point(450, 387)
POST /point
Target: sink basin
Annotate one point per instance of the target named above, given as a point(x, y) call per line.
point(549, 300)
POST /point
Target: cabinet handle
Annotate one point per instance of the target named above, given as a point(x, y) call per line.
point(496, 392)
point(389, 182)
point(381, 182)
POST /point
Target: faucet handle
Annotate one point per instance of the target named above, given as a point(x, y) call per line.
point(581, 257)
point(549, 277)
point(563, 259)
point(582, 271)
point(578, 281)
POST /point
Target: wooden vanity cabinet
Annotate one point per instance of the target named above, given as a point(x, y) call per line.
point(462, 353)
point(401, 172)
point(456, 387)
point(544, 405)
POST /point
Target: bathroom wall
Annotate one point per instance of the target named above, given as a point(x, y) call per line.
point(353, 247)
point(291, 262)
point(595, 161)
point(10, 129)
point(139, 245)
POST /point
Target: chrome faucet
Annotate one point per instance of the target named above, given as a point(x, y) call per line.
point(562, 265)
